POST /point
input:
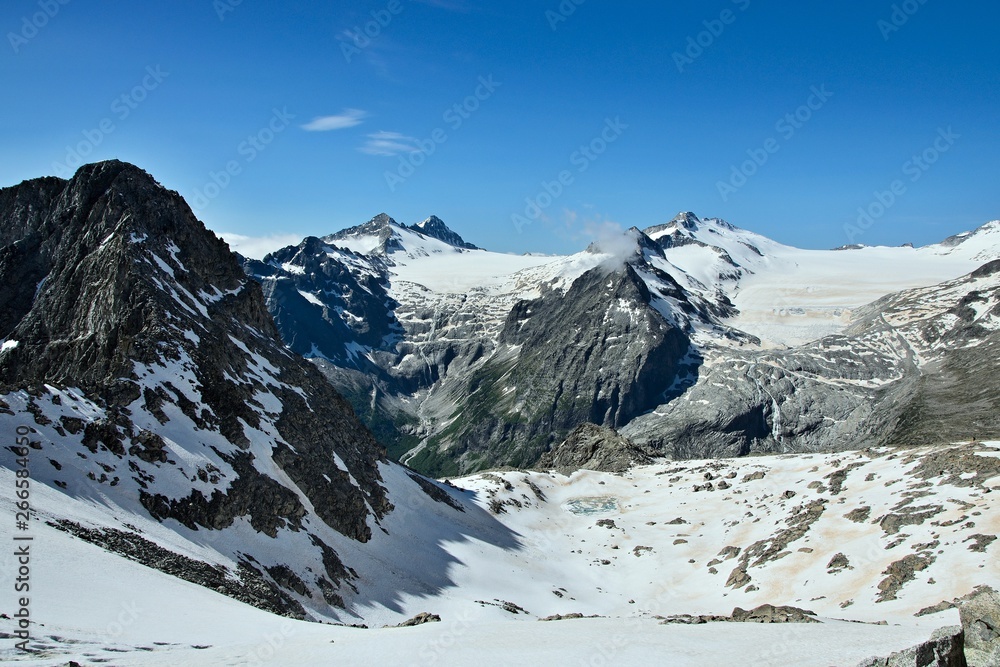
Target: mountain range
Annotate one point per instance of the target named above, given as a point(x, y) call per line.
point(694, 338)
point(698, 417)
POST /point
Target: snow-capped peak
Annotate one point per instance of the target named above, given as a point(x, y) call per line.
point(384, 236)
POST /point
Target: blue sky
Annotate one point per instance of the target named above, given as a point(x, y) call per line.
point(784, 118)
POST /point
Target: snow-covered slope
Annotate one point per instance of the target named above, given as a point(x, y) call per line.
point(864, 536)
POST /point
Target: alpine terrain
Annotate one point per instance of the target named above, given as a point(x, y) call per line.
point(684, 445)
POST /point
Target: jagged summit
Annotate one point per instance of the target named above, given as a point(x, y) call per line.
point(382, 235)
point(435, 227)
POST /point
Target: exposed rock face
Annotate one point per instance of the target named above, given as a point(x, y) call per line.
point(324, 309)
point(943, 649)
point(765, 613)
point(610, 365)
point(435, 228)
point(591, 447)
point(981, 621)
point(420, 619)
point(148, 363)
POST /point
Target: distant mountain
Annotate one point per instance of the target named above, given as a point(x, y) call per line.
point(435, 228)
point(487, 359)
point(384, 236)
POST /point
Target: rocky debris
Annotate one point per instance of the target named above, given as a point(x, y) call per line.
point(606, 523)
point(676, 522)
point(640, 550)
point(908, 516)
point(567, 617)
point(838, 563)
point(738, 578)
point(859, 515)
point(980, 616)
point(980, 542)
point(838, 477)
point(508, 607)
point(704, 487)
point(899, 573)
point(729, 552)
point(765, 613)
point(798, 524)
point(420, 619)
point(754, 476)
point(592, 447)
point(943, 649)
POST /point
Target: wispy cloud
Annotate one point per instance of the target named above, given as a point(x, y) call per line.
point(390, 144)
point(341, 121)
point(256, 247)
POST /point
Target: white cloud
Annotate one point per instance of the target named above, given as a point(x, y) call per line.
point(390, 144)
point(348, 118)
point(256, 247)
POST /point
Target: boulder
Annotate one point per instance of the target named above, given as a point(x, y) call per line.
point(980, 616)
point(943, 649)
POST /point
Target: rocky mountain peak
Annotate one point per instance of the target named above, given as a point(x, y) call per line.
point(435, 228)
point(155, 377)
point(687, 220)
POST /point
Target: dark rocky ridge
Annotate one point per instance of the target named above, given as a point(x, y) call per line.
point(354, 308)
point(562, 362)
point(108, 277)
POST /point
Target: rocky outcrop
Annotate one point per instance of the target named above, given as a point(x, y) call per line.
point(435, 228)
point(980, 616)
point(420, 619)
point(943, 649)
point(592, 447)
point(765, 613)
